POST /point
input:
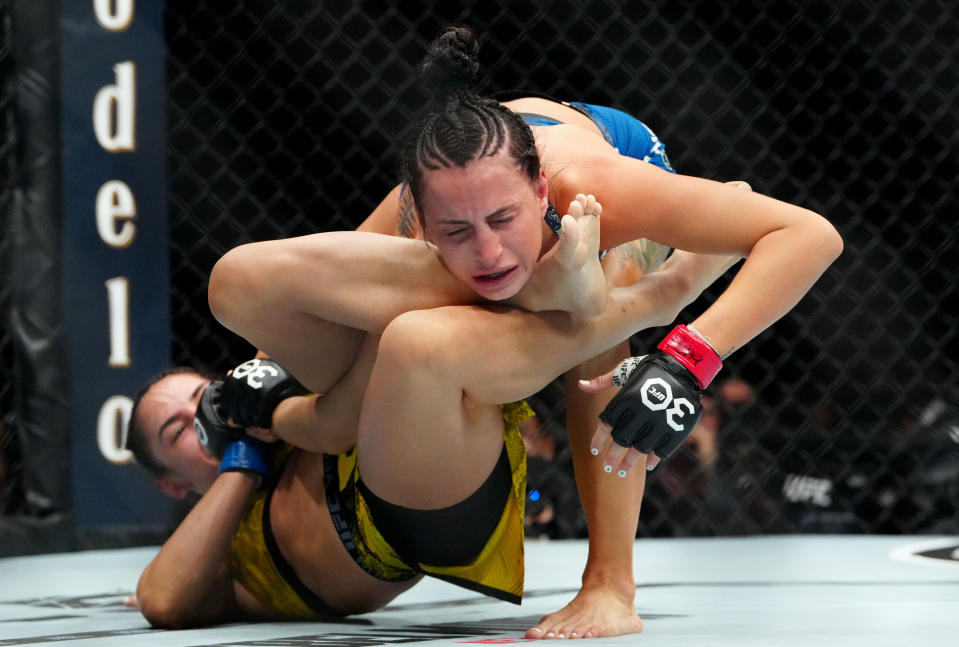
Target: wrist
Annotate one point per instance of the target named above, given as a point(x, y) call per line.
point(693, 352)
point(246, 455)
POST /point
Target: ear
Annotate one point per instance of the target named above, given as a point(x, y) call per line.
point(172, 488)
point(542, 190)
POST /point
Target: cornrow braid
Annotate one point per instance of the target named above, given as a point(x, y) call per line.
point(460, 126)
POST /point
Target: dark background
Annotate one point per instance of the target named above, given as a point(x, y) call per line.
point(284, 119)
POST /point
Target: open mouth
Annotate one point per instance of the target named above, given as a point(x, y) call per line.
point(494, 277)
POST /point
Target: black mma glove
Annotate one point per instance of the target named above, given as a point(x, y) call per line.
point(252, 391)
point(235, 450)
point(661, 401)
point(211, 428)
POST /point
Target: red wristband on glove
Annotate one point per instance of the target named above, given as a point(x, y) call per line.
point(692, 351)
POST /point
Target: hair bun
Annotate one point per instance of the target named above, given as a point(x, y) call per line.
point(452, 62)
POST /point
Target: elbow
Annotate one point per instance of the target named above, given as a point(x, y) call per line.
point(825, 242)
point(162, 611)
point(833, 241)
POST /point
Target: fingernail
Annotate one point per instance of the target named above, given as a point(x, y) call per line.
point(550, 634)
point(621, 474)
point(584, 382)
point(607, 468)
point(561, 636)
point(594, 451)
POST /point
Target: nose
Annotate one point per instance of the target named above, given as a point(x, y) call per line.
point(488, 247)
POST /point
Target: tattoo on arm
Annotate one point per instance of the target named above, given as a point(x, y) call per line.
point(643, 254)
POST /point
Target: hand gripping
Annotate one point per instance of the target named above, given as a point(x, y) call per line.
point(253, 389)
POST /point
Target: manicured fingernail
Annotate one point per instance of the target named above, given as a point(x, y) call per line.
point(607, 468)
point(594, 451)
point(621, 474)
point(561, 636)
point(584, 382)
point(550, 635)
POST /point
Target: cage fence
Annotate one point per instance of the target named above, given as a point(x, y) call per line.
point(285, 119)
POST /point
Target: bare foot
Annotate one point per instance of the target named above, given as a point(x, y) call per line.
point(593, 613)
point(569, 276)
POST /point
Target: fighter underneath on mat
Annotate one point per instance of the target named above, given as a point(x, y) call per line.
point(292, 532)
point(423, 408)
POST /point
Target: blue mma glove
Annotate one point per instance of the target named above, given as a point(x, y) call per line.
point(252, 391)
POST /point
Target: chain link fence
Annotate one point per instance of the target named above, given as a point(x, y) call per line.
point(284, 119)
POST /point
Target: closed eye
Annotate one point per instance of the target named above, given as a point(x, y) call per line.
point(458, 233)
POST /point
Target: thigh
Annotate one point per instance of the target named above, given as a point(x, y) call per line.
point(422, 442)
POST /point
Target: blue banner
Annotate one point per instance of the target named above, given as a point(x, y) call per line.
point(115, 244)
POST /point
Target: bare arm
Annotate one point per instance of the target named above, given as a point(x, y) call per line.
point(327, 423)
point(187, 584)
point(786, 247)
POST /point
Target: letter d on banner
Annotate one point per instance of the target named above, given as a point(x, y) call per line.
point(114, 108)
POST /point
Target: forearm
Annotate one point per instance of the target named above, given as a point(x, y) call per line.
point(187, 583)
point(779, 271)
point(693, 273)
point(328, 423)
point(309, 422)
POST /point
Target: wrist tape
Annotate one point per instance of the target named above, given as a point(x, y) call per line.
point(694, 353)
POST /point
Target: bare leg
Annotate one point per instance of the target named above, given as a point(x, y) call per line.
point(604, 606)
point(303, 300)
point(430, 428)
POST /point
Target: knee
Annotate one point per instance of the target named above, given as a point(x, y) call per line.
point(418, 338)
point(232, 282)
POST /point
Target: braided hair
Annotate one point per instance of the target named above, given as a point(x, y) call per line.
point(459, 126)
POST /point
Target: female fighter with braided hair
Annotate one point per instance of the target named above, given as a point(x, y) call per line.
point(482, 183)
point(480, 180)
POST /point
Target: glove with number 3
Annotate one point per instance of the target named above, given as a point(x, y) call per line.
point(253, 389)
point(661, 401)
